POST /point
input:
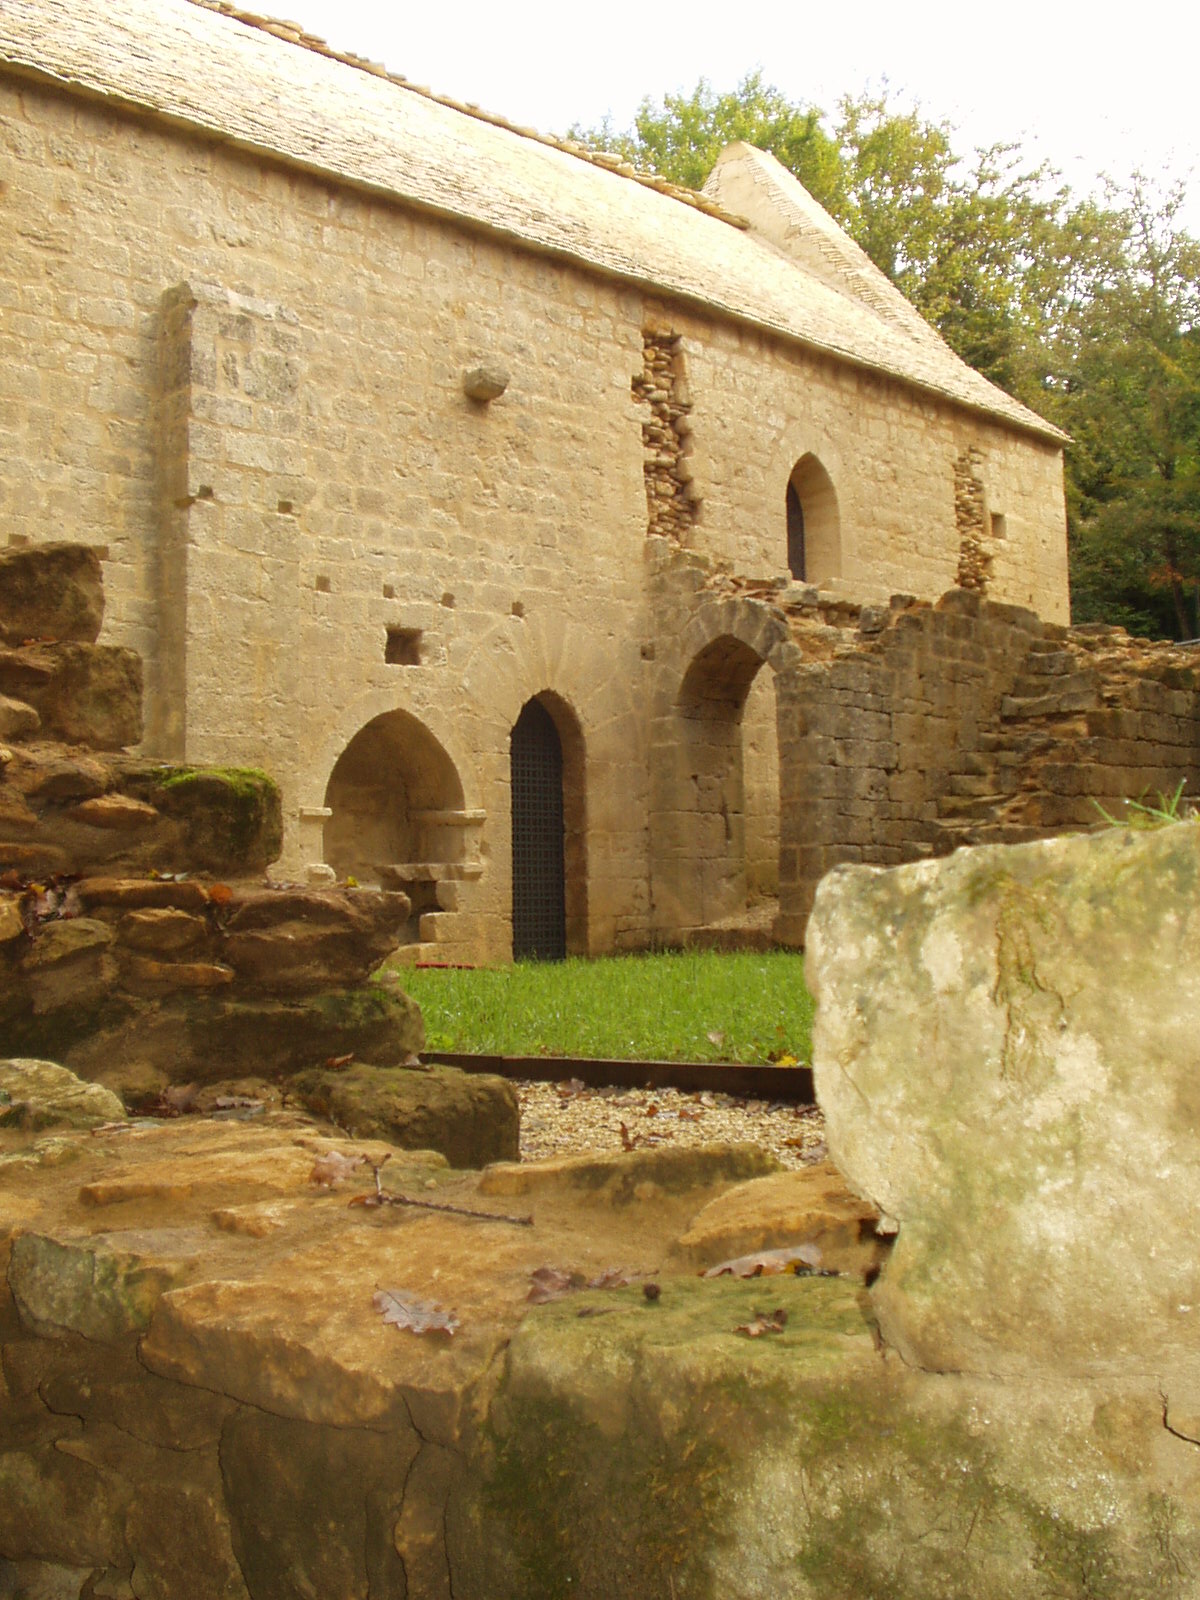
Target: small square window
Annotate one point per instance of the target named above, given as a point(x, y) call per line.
point(402, 647)
point(999, 525)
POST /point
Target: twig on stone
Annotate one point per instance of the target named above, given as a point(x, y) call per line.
point(382, 1198)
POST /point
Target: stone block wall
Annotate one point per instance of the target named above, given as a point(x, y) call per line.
point(247, 382)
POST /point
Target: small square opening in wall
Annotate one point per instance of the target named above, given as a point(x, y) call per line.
point(999, 525)
point(402, 647)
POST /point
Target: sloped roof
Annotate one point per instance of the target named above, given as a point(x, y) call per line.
point(269, 87)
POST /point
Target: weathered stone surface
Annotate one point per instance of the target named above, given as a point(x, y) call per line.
point(12, 925)
point(48, 773)
point(162, 930)
point(811, 1206)
point(1005, 1051)
point(472, 1118)
point(39, 1094)
point(139, 893)
point(117, 811)
point(51, 591)
point(634, 1175)
point(276, 1470)
point(17, 720)
point(295, 940)
point(611, 1444)
point(84, 693)
point(60, 1510)
point(150, 976)
point(655, 1449)
point(16, 816)
point(205, 1035)
point(101, 1286)
point(68, 964)
point(41, 1580)
point(231, 815)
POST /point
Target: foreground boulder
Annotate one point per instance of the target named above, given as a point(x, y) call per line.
point(470, 1118)
point(1006, 1054)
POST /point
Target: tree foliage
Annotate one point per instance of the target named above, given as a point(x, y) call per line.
point(1086, 310)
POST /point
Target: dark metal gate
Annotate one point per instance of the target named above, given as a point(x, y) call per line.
point(539, 888)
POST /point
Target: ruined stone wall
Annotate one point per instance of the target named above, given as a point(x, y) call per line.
point(893, 456)
point(900, 731)
point(970, 722)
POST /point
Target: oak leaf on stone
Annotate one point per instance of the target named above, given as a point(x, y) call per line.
point(418, 1316)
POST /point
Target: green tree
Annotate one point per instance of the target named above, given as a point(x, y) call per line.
point(681, 137)
point(1131, 400)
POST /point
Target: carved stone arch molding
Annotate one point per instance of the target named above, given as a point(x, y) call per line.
point(749, 622)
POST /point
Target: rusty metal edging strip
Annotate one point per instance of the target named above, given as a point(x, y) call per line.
point(693, 1077)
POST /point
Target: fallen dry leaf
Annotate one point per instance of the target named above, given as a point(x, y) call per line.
point(332, 1167)
point(763, 1322)
point(552, 1283)
point(612, 1278)
point(768, 1263)
point(403, 1310)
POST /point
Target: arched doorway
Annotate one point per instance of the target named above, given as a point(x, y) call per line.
point(539, 903)
point(713, 884)
point(396, 813)
point(814, 538)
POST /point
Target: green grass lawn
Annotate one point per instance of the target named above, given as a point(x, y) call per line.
point(679, 1006)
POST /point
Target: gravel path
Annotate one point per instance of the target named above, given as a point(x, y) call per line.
point(569, 1118)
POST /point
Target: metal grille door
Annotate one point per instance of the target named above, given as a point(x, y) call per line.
point(539, 902)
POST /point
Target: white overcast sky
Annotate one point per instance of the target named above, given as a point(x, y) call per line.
point(1094, 88)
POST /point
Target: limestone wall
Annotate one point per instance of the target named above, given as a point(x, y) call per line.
point(247, 384)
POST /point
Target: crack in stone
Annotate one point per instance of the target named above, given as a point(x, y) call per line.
point(1176, 1433)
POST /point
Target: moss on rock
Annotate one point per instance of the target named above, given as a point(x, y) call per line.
point(233, 815)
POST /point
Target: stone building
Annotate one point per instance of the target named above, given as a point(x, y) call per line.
point(468, 481)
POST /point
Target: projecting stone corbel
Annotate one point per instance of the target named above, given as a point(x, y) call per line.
point(484, 383)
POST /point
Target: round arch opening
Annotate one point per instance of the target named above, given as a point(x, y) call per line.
point(720, 866)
